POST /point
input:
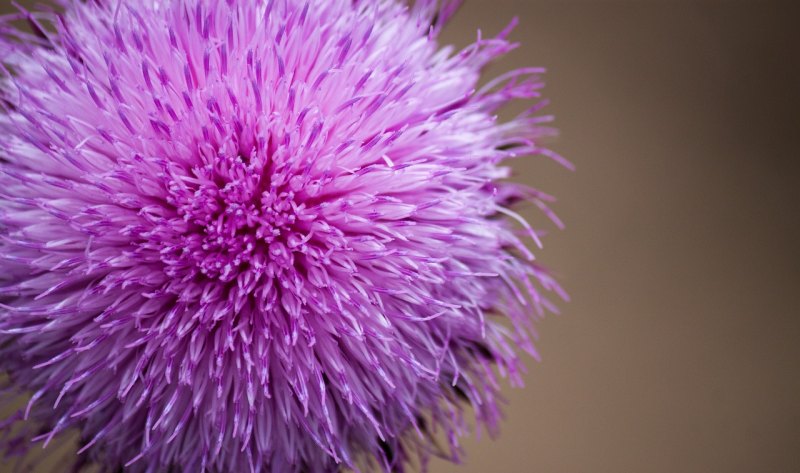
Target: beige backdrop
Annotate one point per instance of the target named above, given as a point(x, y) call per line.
point(679, 351)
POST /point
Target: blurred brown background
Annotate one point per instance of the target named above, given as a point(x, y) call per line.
point(679, 352)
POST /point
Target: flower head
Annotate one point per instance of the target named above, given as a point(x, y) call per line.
point(259, 235)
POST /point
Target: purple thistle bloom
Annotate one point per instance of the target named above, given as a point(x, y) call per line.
point(265, 235)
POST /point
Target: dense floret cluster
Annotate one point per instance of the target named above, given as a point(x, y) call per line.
point(266, 235)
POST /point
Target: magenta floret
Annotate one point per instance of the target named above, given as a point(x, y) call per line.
point(259, 235)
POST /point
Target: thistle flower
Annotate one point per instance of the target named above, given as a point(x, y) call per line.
point(264, 236)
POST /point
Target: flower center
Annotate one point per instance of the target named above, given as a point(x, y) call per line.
point(232, 216)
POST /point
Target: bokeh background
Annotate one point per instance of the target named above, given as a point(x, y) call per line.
point(679, 351)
